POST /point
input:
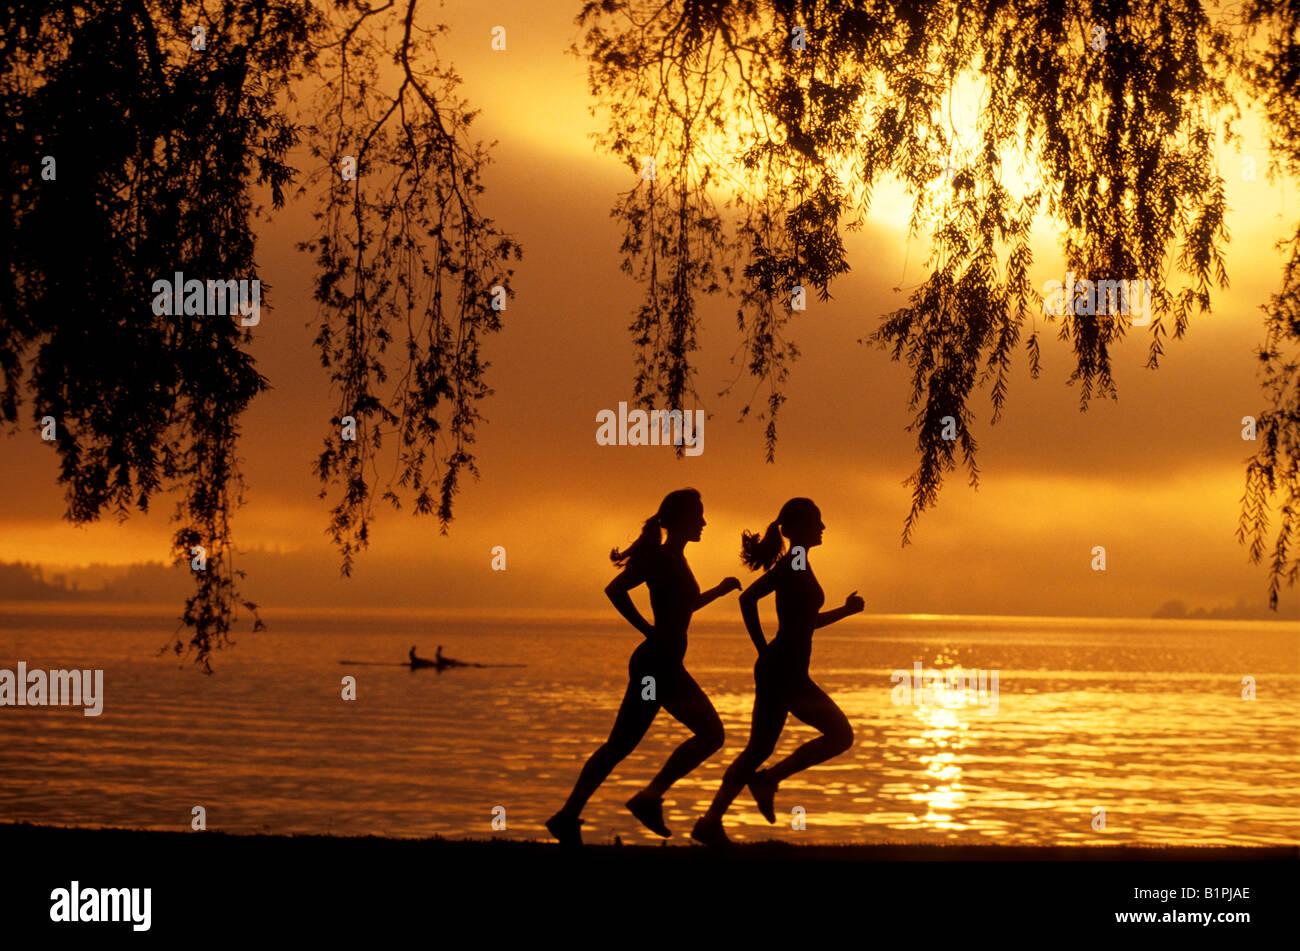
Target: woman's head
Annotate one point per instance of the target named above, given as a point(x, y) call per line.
point(799, 520)
point(680, 514)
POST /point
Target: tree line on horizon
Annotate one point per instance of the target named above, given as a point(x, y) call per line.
point(154, 582)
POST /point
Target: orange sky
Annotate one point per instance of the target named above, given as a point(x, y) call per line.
point(1155, 477)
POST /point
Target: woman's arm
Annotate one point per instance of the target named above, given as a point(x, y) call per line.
point(749, 599)
point(708, 597)
point(617, 592)
point(852, 605)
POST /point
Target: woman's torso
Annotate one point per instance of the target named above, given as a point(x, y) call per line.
point(799, 599)
point(673, 594)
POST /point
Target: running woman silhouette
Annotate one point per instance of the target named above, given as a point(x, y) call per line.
point(674, 596)
point(781, 682)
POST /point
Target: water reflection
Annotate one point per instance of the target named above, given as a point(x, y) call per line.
point(942, 710)
point(1097, 716)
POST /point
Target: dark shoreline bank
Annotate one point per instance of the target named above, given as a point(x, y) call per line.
point(678, 849)
point(466, 893)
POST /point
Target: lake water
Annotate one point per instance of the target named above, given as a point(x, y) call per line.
point(1144, 719)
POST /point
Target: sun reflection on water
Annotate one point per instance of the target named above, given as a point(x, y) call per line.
point(940, 743)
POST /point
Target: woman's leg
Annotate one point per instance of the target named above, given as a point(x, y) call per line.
point(688, 703)
point(764, 730)
point(634, 718)
point(809, 703)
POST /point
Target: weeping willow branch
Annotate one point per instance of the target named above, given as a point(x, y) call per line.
point(412, 275)
point(793, 111)
point(163, 121)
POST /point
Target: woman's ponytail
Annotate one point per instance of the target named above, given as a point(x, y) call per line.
point(675, 506)
point(763, 552)
point(649, 539)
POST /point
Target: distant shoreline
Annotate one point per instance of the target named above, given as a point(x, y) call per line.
point(270, 611)
point(286, 586)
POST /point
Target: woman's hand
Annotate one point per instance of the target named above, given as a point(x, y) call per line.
point(706, 598)
point(852, 605)
point(617, 592)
